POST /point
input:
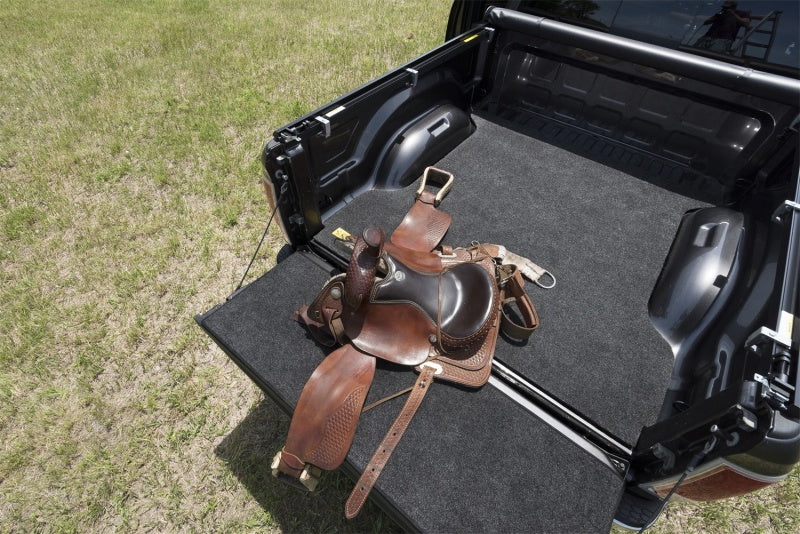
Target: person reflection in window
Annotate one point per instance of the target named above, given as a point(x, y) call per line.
point(724, 27)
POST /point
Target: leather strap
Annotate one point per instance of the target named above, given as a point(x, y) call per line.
point(387, 398)
point(509, 276)
point(373, 470)
point(513, 292)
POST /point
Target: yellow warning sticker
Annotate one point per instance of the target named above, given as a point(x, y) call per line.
point(341, 233)
point(468, 39)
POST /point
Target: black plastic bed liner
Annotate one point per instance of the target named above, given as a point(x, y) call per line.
point(471, 461)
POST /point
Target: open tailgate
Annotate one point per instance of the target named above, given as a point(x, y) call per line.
point(471, 460)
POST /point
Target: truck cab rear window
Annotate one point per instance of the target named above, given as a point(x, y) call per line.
point(760, 34)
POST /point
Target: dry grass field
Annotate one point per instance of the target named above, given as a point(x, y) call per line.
point(129, 201)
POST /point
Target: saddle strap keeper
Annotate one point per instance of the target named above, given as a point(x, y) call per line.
point(378, 461)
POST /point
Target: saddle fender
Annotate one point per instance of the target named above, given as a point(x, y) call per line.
point(325, 420)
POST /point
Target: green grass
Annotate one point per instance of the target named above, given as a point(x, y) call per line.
point(129, 201)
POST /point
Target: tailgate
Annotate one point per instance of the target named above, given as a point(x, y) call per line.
point(470, 461)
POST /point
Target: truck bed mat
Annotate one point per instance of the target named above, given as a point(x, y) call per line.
point(472, 460)
point(603, 233)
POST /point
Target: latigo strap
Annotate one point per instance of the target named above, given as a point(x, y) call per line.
point(390, 441)
point(439, 311)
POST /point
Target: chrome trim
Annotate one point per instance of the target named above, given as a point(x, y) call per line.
point(616, 465)
point(623, 449)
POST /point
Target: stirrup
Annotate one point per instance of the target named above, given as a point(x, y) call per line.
point(443, 178)
point(309, 477)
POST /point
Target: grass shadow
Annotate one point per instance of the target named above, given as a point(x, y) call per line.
point(248, 452)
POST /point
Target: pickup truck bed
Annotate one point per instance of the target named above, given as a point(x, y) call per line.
point(508, 188)
point(583, 152)
point(602, 233)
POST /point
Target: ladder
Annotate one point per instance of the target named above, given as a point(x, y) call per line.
point(752, 44)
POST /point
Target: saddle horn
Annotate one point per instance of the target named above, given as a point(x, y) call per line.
point(362, 267)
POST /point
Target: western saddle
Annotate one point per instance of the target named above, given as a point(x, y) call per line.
point(406, 301)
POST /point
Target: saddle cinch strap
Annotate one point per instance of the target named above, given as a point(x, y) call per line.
point(439, 311)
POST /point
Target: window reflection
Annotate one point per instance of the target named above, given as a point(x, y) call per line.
point(759, 33)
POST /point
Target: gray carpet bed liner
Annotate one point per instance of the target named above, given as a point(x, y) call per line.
point(604, 235)
point(471, 461)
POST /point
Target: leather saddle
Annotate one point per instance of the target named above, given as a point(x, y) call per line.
point(406, 301)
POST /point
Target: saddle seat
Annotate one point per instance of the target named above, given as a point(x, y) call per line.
point(394, 306)
point(460, 300)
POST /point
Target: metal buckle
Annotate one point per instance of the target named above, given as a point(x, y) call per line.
point(504, 273)
point(276, 462)
point(443, 178)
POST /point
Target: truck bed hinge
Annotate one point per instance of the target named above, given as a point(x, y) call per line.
point(769, 392)
point(787, 207)
point(776, 388)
